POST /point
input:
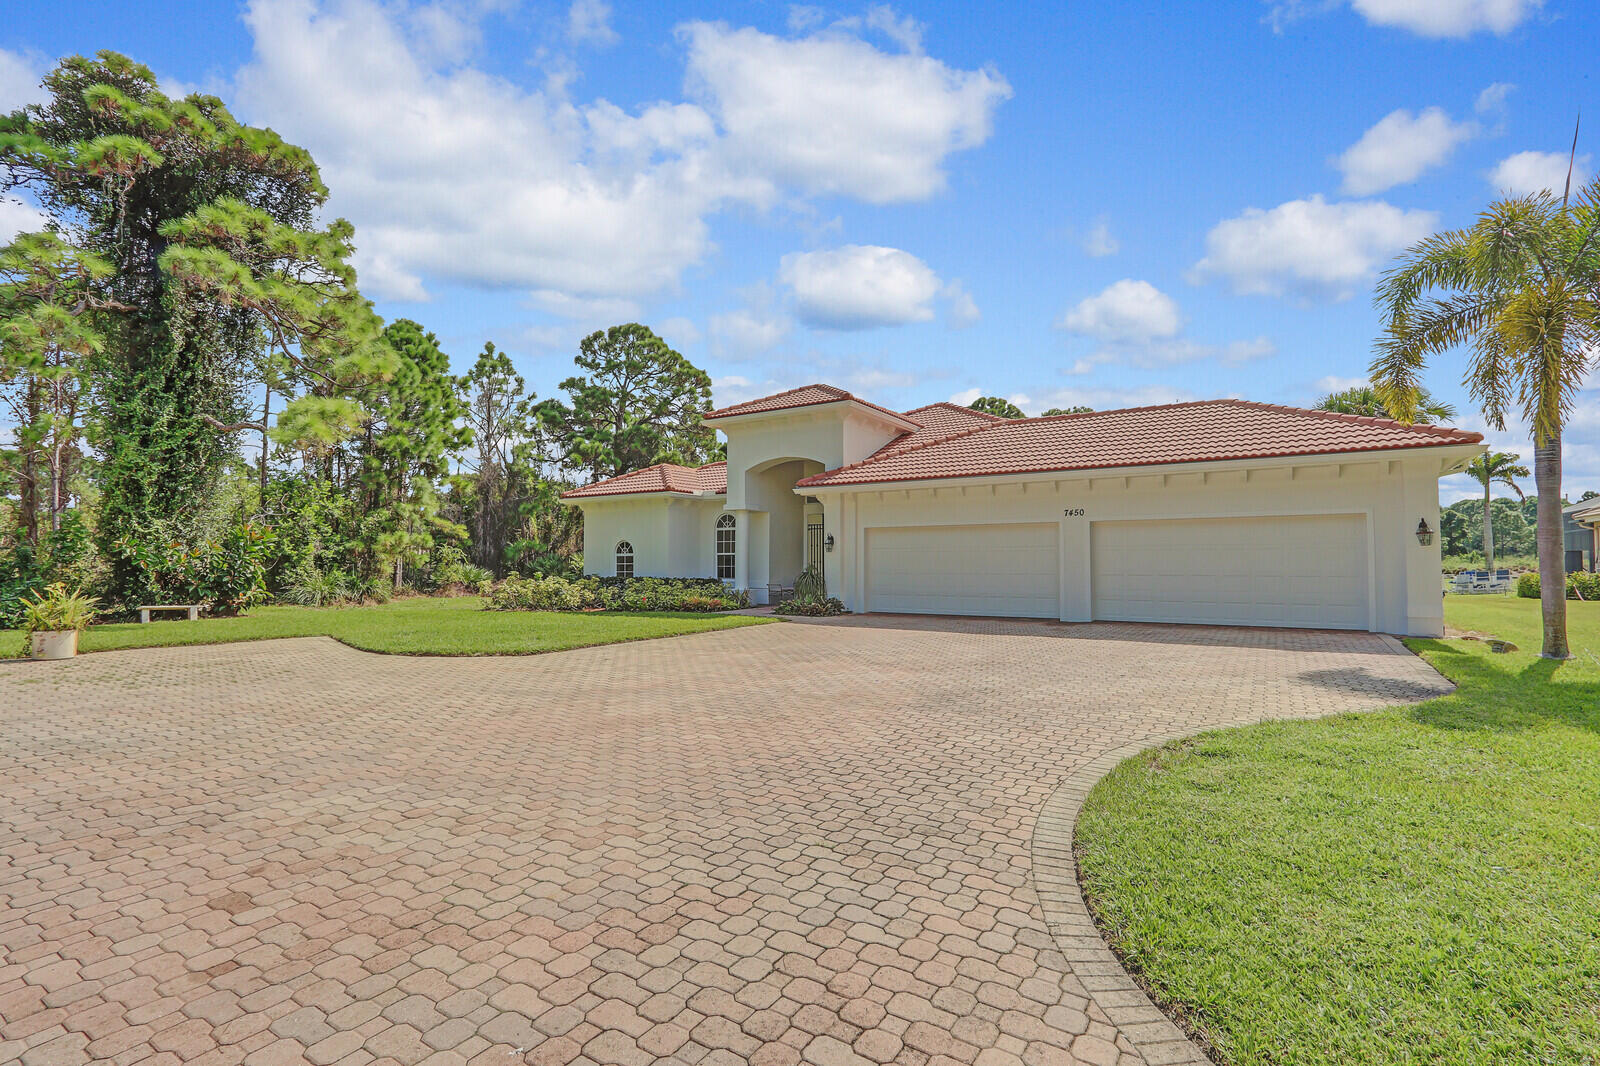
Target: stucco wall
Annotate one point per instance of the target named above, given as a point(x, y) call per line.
point(671, 537)
point(1403, 575)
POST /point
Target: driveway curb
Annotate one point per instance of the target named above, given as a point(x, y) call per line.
point(1066, 914)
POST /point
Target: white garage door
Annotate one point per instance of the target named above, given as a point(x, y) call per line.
point(1307, 571)
point(1006, 570)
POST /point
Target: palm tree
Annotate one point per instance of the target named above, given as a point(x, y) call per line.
point(1520, 289)
point(1364, 400)
point(1489, 469)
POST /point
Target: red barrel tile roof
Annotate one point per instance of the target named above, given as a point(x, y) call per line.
point(663, 477)
point(804, 396)
point(1204, 431)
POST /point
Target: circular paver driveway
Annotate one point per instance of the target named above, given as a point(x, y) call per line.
point(768, 845)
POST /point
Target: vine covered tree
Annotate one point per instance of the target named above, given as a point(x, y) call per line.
point(126, 174)
point(639, 403)
point(1520, 291)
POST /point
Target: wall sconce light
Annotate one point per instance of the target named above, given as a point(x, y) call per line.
point(827, 542)
point(1424, 534)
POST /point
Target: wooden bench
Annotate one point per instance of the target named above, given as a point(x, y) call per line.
point(192, 609)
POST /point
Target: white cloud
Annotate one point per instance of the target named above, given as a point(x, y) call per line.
point(1492, 99)
point(1136, 323)
point(1335, 383)
point(904, 31)
point(1530, 172)
point(1309, 247)
point(18, 217)
point(1100, 241)
point(860, 286)
point(831, 114)
point(960, 309)
point(1125, 311)
point(679, 332)
point(1427, 18)
point(19, 80)
point(454, 174)
point(1399, 148)
point(595, 310)
point(1448, 18)
point(756, 327)
point(381, 278)
point(589, 22)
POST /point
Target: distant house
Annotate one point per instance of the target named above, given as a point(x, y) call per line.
point(1580, 529)
point(1219, 512)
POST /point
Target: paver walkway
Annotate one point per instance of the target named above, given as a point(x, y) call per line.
point(767, 845)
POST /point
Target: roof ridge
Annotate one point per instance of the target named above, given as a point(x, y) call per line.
point(954, 407)
point(908, 449)
point(1344, 416)
point(843, 395)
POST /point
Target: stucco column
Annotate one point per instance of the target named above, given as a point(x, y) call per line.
point(741, 549)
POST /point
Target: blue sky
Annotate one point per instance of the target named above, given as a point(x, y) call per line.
point(1102, 203)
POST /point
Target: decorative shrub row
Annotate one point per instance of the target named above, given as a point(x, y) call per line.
point(1581, 585)
point(811, 607)
point(518, 593)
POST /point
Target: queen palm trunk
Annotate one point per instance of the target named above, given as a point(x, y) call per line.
point(1552, 557)
point(1488, 531)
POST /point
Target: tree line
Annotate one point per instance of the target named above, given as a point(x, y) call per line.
point(204, 406)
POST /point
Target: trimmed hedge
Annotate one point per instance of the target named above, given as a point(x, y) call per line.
point(518, 593)
point(1581, 585)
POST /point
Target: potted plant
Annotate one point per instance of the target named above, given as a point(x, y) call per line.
point(53, 619)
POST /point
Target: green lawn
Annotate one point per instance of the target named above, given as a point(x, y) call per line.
point(1414, 885)
point(420, 626)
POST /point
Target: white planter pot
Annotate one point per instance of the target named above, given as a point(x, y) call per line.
point(61, 645)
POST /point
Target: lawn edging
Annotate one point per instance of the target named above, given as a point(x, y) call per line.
point(1154, 1035)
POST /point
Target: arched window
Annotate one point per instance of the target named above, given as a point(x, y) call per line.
point(624, 559)
point(725, 536)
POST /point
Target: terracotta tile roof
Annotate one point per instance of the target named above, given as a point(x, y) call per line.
point(1207, 430)
point(804, 396)
point(663, 477)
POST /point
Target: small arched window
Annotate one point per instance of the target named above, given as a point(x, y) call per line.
point(624, 559)
point(725, 540)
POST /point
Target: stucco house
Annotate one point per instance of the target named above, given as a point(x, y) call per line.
point(1220, 512)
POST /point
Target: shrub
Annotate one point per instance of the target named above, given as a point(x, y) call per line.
point(518, 593)
point(809, 586)
point(537, 593)
point(55, 610)
point(452, 570)
point(228, 573)
point(1581, 585)
point(811, 608)
point(314, 588)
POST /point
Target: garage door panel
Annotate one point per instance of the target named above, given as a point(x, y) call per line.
point(1006, 570)
point(1306, 571)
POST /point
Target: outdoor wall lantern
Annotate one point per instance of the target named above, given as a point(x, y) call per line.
point(827, 542)
point(1424, 534)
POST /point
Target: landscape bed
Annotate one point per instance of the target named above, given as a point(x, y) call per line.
point(1417, 884)
point(455, 625)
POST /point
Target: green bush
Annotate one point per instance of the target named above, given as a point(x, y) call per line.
point(811, 608)
point(62, 556)
point(1581, 585)
point(311, 587)
point(552, 593)
point(229, 573)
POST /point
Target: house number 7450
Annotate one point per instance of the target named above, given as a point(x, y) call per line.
point(1073, 512)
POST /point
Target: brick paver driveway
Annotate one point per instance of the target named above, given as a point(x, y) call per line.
point(765, 845)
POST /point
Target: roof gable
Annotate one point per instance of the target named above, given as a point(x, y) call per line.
point(804, 396)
